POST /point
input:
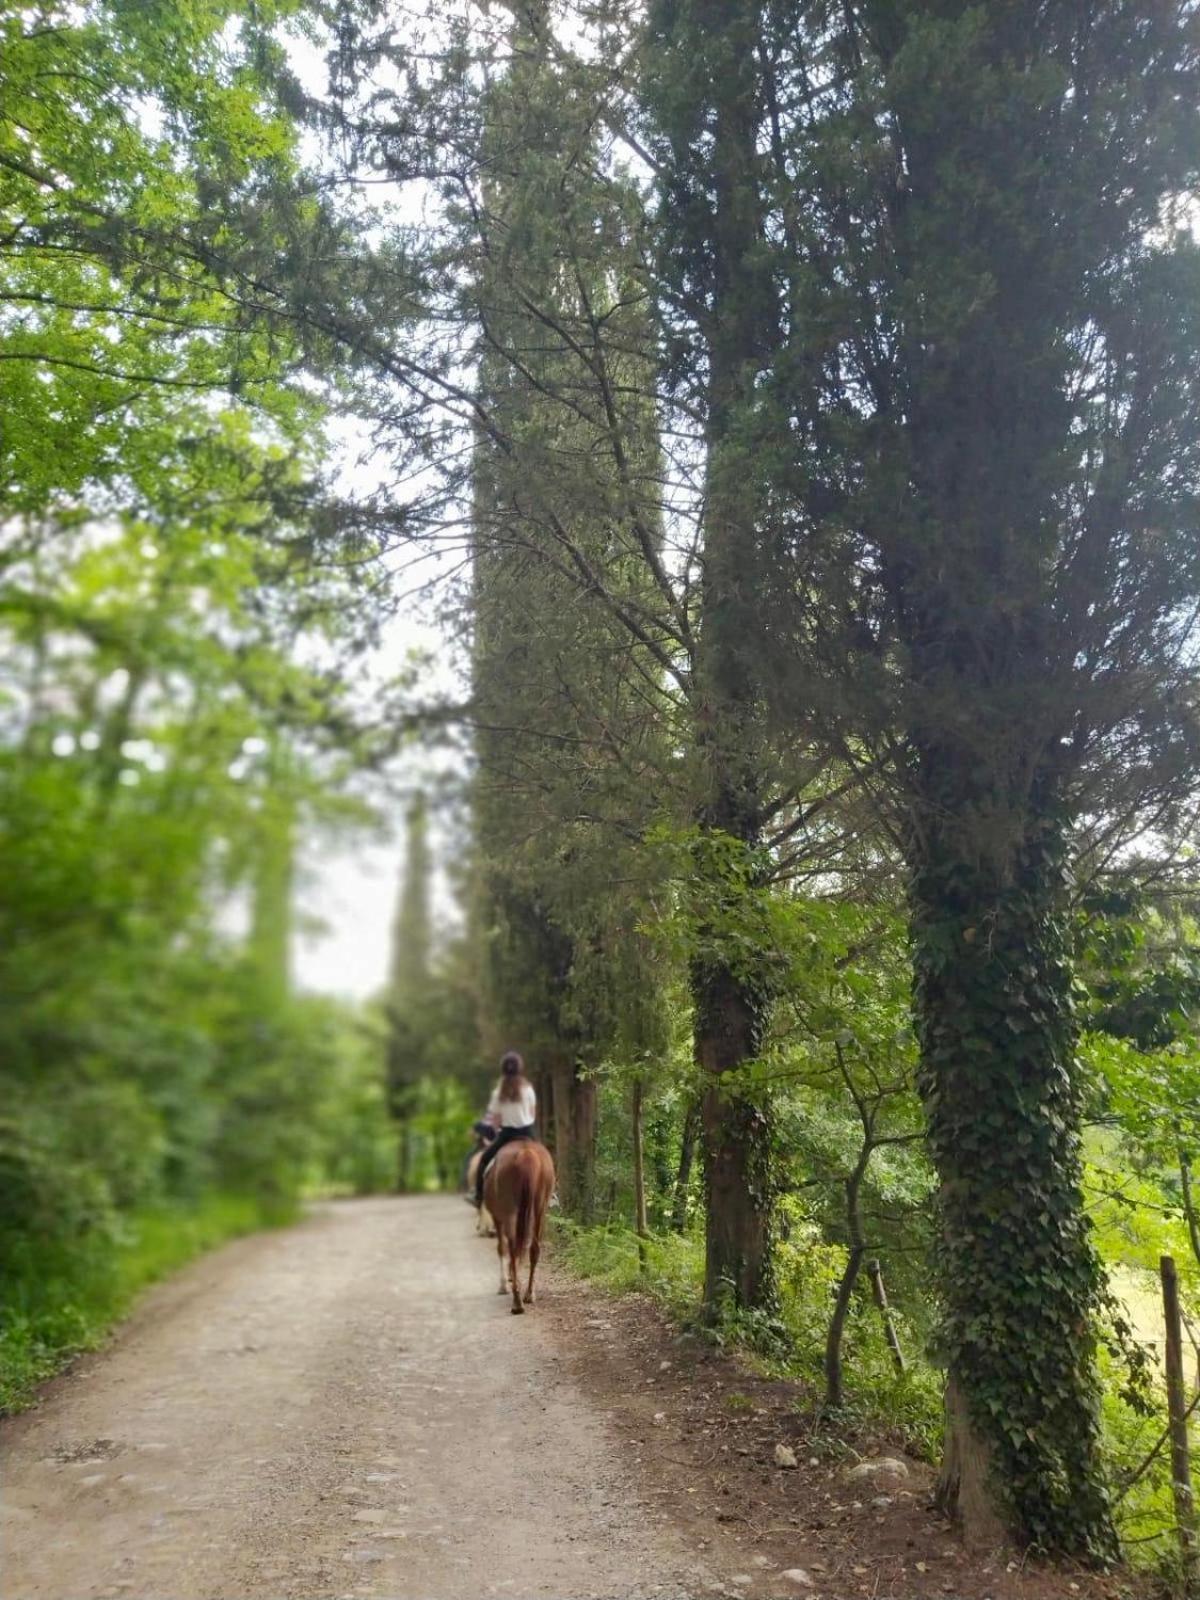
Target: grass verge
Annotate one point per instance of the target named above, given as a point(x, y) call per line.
point(60, 1299)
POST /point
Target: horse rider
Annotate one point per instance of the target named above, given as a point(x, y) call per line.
point(514, 1106)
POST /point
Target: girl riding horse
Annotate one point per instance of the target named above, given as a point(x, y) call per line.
point(514, 1105)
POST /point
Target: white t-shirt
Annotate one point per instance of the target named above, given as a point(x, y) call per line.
point(519, 1113)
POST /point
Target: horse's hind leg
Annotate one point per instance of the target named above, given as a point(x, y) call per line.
point(535, 1250)
point(514, 1278)
point(503, 1289)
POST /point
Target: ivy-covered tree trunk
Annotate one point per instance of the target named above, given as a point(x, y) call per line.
point(1020, 1279)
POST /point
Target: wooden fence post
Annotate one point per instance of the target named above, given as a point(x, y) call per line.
point(1177, 1412)
point(879, 1295)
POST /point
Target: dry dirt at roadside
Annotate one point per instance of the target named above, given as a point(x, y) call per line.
point(347, 1408)
point(703, 1430)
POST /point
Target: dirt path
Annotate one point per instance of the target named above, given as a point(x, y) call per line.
point(345, 1408)
point(348, 1409)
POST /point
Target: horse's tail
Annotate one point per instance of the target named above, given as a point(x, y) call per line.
point(523, 1225)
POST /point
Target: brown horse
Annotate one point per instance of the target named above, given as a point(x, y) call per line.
point(517, 1190)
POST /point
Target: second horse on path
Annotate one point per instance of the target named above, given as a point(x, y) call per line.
point(517, 1192)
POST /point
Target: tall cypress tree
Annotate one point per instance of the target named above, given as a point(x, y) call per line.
point(272, 890)
point(704, 91)
point(554, 672)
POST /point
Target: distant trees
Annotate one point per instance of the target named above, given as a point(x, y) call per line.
point(410, 980)
point(428, 1026)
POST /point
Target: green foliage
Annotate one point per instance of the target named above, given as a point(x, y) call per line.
point(1144, 1509)
point(357, 1139)
point(132, 137)
point(832, 505)
point(671, 1268)
point(436, 1133)
point(175, 620)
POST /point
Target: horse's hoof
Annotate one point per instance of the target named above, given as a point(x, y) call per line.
point(518, 1310)
point(503, 1289)
point(528, 1299)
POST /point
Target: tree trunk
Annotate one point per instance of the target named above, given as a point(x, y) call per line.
point(738, 1149)
point(1189, 1204)
point(560, 1079)
point(583, 1148)
point(731, 995)
point(543, 1088)
point(992, 997)
point(575, 1139)
point(683, 1178)
point(834, 1396)
point(964, 1490)
point(639, 1173)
